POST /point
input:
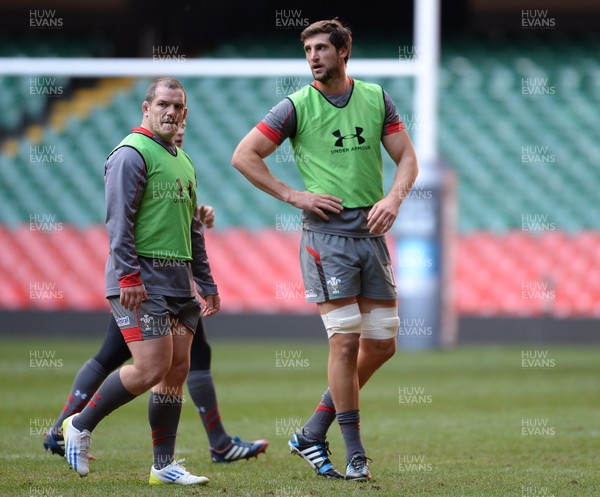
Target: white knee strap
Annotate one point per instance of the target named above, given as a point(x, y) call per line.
point(345, 319)
point(381, 323)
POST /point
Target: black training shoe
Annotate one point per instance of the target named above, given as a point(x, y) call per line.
point(54, 442)
point(316, 453)
point(358, 468)
point(239, 449)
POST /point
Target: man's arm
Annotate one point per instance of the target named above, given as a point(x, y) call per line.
point(383, 214)
point(248, 158)
point(201, 268)
point(124, 185)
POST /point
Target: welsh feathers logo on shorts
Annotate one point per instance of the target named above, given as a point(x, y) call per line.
point(146, 322)
point(334, 283)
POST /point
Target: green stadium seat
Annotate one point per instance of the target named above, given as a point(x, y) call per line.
point(485, 120)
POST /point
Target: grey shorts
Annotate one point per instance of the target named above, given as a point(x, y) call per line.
point(335, 267)
point(156, 316)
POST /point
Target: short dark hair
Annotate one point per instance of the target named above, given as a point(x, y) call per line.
point(170, 83)
point(340, 35)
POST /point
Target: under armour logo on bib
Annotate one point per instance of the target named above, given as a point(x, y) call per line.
point(340, 139)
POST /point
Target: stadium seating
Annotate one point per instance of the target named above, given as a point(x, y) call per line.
point(25, 99)
point(527, 166)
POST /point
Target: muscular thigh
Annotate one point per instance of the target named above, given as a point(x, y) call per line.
point(182, 342)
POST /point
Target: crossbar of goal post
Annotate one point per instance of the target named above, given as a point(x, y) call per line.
point(419, 230)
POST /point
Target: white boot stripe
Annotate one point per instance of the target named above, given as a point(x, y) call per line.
point(234, 453)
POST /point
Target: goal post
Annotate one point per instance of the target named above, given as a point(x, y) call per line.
point(425, 228)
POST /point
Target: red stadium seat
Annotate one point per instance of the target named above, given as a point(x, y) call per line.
point(259, 271)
